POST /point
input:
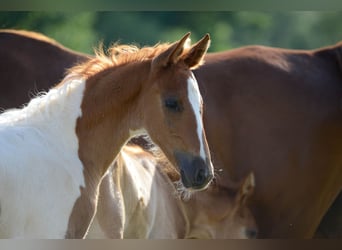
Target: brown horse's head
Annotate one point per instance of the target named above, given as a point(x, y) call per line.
point(173, 111)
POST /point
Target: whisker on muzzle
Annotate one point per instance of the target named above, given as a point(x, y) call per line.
point(182, 192)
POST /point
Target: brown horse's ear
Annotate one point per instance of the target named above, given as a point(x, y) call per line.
point(194, 57)
point(172, 54)
point(246, 190)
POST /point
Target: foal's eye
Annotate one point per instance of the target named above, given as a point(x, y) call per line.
point(173, 104)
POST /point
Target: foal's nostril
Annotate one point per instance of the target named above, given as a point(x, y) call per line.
point(184, 179)
point(200, 176)
point(251, 233)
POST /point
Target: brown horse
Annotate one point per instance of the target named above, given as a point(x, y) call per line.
point(278, 113)
point(55, 151)
point(137, 199)
point(272, 111)
point(16, 65)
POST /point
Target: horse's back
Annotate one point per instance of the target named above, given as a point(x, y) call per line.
point(24, 58)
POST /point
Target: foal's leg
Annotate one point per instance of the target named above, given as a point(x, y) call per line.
point(110, 217)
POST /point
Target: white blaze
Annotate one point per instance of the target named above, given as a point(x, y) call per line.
point(195, 101)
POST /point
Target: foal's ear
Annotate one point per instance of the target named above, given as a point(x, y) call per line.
point(194, 57)
point(246, 189)
point(172, 54)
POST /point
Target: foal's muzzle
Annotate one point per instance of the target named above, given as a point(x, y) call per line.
point(196, 173)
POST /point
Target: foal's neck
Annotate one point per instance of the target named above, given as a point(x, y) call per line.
point(109, 112)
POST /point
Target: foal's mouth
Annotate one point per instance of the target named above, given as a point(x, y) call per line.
point(196, 173)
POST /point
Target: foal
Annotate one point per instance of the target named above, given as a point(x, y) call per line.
point(137, 199)
point(55, 151)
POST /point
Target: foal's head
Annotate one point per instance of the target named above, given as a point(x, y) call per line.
point(219, 213)
point(171, 106)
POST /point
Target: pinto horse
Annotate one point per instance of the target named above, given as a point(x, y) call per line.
point(272, 111)
point(55, 151)
point(137, 199)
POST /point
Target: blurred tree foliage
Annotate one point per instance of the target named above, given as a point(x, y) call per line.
point(84, 30)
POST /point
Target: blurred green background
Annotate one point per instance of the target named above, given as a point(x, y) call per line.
point(83, 31)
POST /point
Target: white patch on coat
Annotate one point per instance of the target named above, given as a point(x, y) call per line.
point(195, 99)
point(40, 171)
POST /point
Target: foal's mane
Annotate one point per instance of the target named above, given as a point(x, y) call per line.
point(116, 55)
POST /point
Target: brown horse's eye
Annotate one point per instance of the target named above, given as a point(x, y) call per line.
point(173, 104)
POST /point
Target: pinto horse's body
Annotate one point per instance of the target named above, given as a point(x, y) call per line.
point(40, 172)
point(137, 199)
point(271, 111)
point(55, 151)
